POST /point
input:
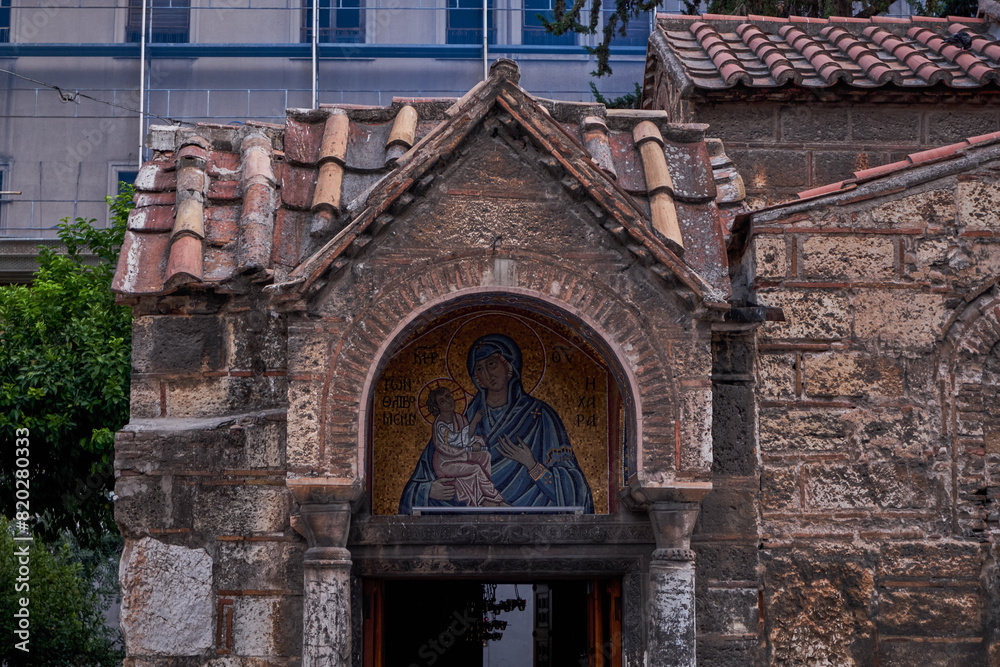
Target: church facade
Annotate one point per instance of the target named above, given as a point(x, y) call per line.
point(420, 384)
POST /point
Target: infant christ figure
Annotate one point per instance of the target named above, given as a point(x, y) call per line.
point(460, 456)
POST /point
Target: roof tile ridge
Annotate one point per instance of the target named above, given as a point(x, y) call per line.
point(826, 67)
point(862, 54)
point(184, 255)
point(722, 55)
point(768, 53)
point(980, 43)
point(917, 63)
point(976, 68)
point(255, 235)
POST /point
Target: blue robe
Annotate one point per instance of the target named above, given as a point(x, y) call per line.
point(562, 483)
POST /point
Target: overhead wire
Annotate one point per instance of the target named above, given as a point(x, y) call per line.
point(74, 97)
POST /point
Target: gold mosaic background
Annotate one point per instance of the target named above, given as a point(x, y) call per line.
point(556, 369)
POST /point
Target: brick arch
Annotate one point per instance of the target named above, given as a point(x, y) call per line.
point(969, 379)
point(431, 290)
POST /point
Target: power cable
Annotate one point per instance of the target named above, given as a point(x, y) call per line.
point(74, 97)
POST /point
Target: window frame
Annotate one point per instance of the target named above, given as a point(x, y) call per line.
point(175, 28)
point(473, 32)
point(331, 13)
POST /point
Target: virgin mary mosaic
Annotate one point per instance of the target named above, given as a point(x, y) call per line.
point(493, 410)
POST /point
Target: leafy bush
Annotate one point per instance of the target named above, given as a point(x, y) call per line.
point(65, 350)
point(66, 611)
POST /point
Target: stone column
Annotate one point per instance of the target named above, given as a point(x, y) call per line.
point(326, 608)
point(670, 630)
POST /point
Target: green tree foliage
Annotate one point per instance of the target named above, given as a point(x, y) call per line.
point(65, 610)
point(65, 351)
point(568, 18)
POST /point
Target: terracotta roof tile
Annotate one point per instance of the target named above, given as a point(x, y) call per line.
point(719, 52)
point(209, 215)
point(912, 160)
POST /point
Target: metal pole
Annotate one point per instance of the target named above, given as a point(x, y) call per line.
point(486, 59)
point(315, 49)
point(142, 84)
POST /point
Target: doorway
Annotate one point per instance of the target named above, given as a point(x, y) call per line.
point(467, 623)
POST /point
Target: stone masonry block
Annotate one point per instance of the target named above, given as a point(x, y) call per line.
point(260, 565)
point(166, 599)
point(764, 168)
point(308, 353)
point(948, 127)
point(302, 449)
point(934, 207)
point(727, 611)
point(770, 257)
point(776, 375)
point(808, 315)
point(176, 344)
point(942, 612)
point(888, 125)
point(696, 428)
point(240, 510)
point(901, 653)
point(900, 319)
point(727, 511)
point(145, 398)
point(858, 485)
point(948, 560)
point(726, 561)
point(740, 122)
point(265, 445)
point(978, 205)
point(848, 257)
point(832, 166)
point(733, 450)
point(806, 431)
point(265, 625)
point(851, 374)
point(809, 124)
point(779, 489)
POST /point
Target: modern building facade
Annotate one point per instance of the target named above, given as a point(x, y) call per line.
point(76, 76)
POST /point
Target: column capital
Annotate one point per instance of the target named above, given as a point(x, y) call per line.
point(673, 524)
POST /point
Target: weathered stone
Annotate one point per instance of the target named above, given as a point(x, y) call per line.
point(851, 374)
point(941, 612)
point(900, 319)
point(166, 599)
point(769, 255)
point(848, 257)
point(801, 123)
point(303, 424)
point(978, 205)
point(933, 207)
point(808, 315)
point(776, 375)
point(802, 430)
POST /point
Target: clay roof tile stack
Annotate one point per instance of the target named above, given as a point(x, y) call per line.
point(219, 205)
point(721, 52)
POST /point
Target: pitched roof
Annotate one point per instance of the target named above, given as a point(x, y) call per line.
point(715, 52)
point(218, 205)
point(932, 156)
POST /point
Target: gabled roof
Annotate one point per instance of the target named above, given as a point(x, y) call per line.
point(290, 204)
point(715, 52)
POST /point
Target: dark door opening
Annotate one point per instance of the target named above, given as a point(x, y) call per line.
point(449, 623)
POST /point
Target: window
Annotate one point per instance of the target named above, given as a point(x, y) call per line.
point(4, 20)
point(340, 21)
point(167, 21)
point(465, 22)
point(124, 176)
point(533, 30)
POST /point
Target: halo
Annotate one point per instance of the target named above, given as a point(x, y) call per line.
point(456, 392)
point(532, 350)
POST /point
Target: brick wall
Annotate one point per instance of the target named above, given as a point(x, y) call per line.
point(877, 430)
point(781, 149)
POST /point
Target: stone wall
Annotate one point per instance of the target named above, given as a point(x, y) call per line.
point(879, 455)
point(781, 149)
point(211, 566)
